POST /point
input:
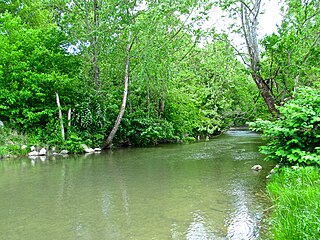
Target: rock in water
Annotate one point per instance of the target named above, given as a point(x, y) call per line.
point(33, 153)
point(43, 152)
point(257, 167)
point(89, 150)
point(86, 148)
point(63, 152)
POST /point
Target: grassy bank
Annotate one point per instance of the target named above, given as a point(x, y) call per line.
point(295, 193)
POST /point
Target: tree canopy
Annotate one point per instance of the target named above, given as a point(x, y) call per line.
point(144, 72)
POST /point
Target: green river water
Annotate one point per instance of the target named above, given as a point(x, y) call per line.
point(202, 190)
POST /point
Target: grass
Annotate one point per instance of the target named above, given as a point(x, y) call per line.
point(295, 193)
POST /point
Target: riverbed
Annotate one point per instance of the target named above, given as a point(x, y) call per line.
point(202, 190)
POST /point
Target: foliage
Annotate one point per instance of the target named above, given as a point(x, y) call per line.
point(207, 93)
point(89, 116)
point(295, 194)
point(143, 131)
point(33, 67)
point(294, 138)
point(179, 88)
point(291, 56)
point(73, 143)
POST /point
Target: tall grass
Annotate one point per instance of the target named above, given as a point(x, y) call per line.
point(295, 194)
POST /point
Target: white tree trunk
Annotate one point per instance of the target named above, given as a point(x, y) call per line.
point(60, 117)
point(108, 142)
point(69, 117)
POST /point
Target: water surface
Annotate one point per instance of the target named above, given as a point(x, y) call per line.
point(203, 190)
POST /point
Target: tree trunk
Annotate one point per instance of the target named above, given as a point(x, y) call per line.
point(69, 117)
point(162, 100)
point(93, 38)
point(108, 142)
point(96, 68)
point(265, 93)
point(249, 21)
point(60, 116)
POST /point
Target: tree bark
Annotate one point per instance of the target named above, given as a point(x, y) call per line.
point(265, 93)
point(114, 130)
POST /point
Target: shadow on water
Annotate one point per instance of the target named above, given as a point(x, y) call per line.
point(203, 190)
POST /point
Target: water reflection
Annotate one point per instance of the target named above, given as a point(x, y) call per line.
point(242, 224)
point(106, 203)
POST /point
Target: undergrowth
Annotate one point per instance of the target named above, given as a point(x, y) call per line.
point(10, 142)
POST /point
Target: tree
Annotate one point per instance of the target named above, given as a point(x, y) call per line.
point(290, 58)
point(33, 66)
point(249, 24)
point(248, 13)
point(31, 12)
point(131, 71)
point(108, 142)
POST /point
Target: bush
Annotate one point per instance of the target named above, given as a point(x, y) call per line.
point(294, 138)
point(150, 131)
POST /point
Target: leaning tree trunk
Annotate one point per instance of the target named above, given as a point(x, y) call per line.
point(108, 142)
point(265, 93)
point(249, 21)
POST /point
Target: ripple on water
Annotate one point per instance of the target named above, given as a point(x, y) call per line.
point(242, 227)
point(200, 229)
point(246, 155)
point(200, 156)
point(239, 133)
point(242, 223)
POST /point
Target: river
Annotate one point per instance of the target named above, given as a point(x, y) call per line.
point(196, 191)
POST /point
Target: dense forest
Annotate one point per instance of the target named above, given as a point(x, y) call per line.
point(144, 72)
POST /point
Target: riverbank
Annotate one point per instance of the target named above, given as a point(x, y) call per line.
point(295, 193)
point(13, 144)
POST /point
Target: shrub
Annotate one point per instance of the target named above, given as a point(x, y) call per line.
point(150, 131)
point(294, 138)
